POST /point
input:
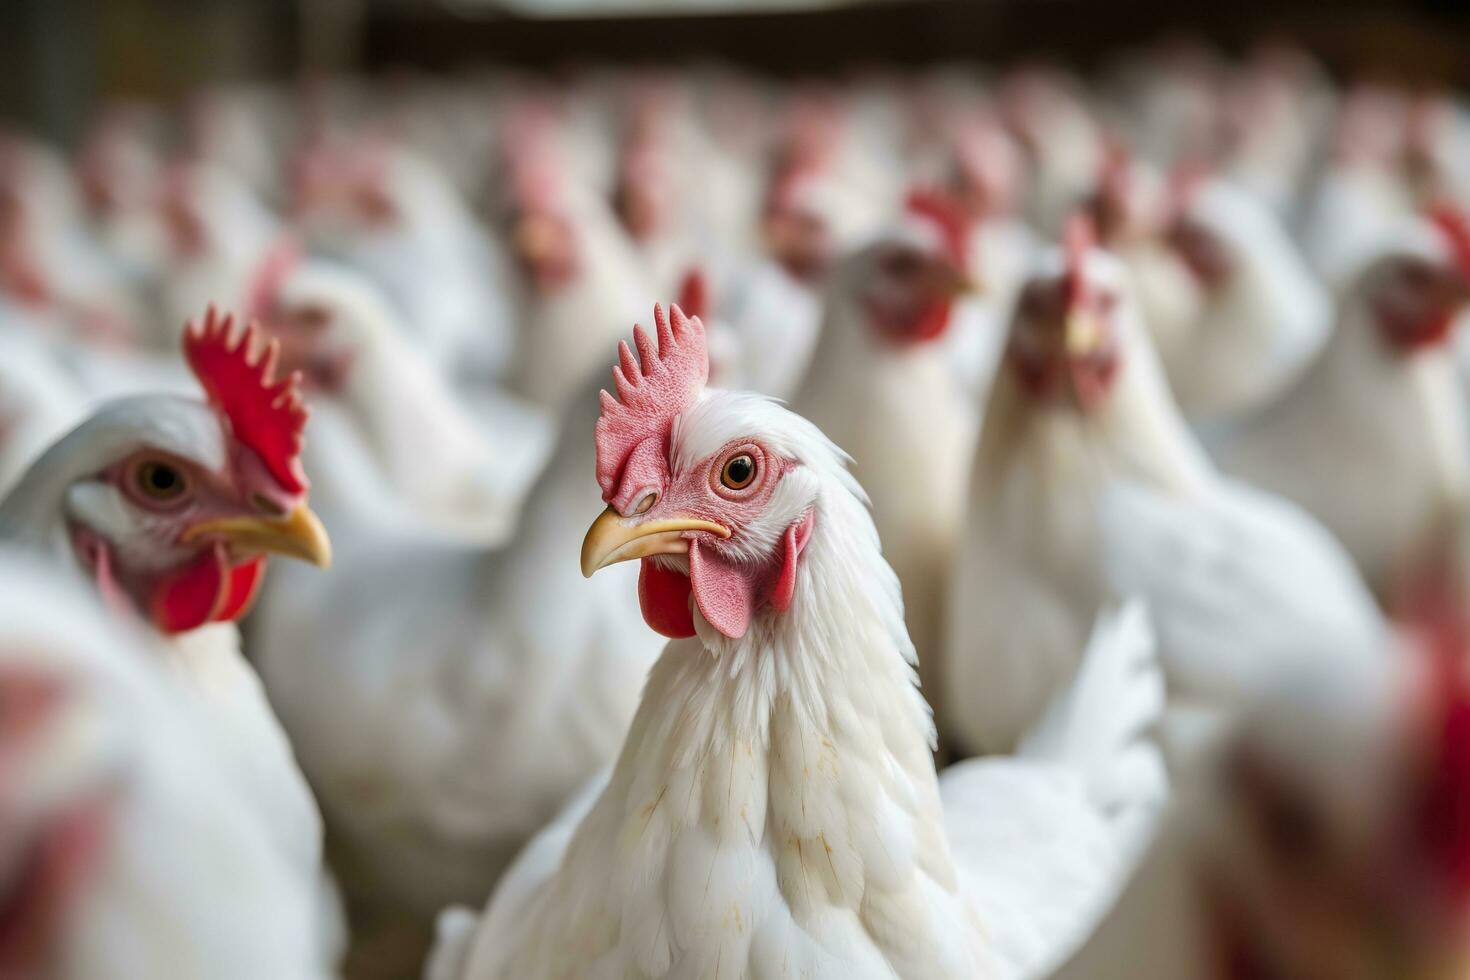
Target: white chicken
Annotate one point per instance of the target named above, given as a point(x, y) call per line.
point(775, 809)
point(170, 507)
point(767, 313)
point(446, 699)
point(1131, 208)
point(1327, 840)
point(381, 208)
point(1063, 140)
point(1264, 316)
point(128, 852)
point(39, 401)
point(390, 436)
point(986, 177)
point(581, 279)
point(1086, 486)
point(51, 269)
point(651, 191)
point(1373, 439)
point(881, 386)
point(119, 173)
point(218, 232)
point(1361, 194)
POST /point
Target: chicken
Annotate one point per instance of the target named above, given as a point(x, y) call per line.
point(581, 279)
point(38, 402)
point(775, 809)
point(1326, 841)
point(1264, 316)
point(650, 196)
point(1373, 439)
point(445, 699)
point(882, 387)
point(1275, 111)
point(128, 852)
point(763, 329)
point(1087, 486)
point(1360, 196)
point(390, 435)
point(119, 172)
point(170, 507)
point(1131, 208)
point(1063, 140)
point(50, 267)
point(388, 212)
point(988, 181)
point(217, 231)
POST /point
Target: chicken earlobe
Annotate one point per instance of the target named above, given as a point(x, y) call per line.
point(729, 594)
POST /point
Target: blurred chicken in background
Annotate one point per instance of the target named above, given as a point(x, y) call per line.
point(127, 850)
point(1326, 838)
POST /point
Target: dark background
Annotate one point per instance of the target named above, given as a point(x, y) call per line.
point(61, 57)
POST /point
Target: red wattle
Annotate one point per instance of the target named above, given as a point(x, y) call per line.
point(191, 596)
point(931, 324)
point(241, 588)
point(1092, 379)
point(928, 324)
point(663, 595)
point(723, 591)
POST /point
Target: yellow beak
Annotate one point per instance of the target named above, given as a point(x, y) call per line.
point(297, 535)
point(1082, 334)
point(610, 541)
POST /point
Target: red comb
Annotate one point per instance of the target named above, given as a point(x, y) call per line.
point(694, 294)
point(946, 213)
point(651, 392)
point(265, 286)
point(1455, 226)
point(1078, 239)
point(265, 414)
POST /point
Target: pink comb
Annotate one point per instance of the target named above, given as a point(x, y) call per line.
point(1455, 226)
point(265, 414)
point(265, 287)
point(1078, 239)
point(948, 216)
point(652, 390)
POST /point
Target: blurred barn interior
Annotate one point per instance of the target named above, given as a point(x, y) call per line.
point(63, 56)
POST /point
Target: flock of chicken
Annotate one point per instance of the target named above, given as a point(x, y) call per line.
point(1130, 418)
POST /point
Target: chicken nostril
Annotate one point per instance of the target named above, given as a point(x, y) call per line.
point(268, 506)
point(646, 504)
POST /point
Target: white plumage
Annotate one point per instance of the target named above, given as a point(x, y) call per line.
point(1074, 507)
point(121, 783)
point(65, 497)
point(775, 810)
point(446, 698)
point(1373, 439)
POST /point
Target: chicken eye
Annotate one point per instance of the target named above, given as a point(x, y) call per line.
point(901, 265)
point(159, 481)
point(738, 472)
point(312, 318)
